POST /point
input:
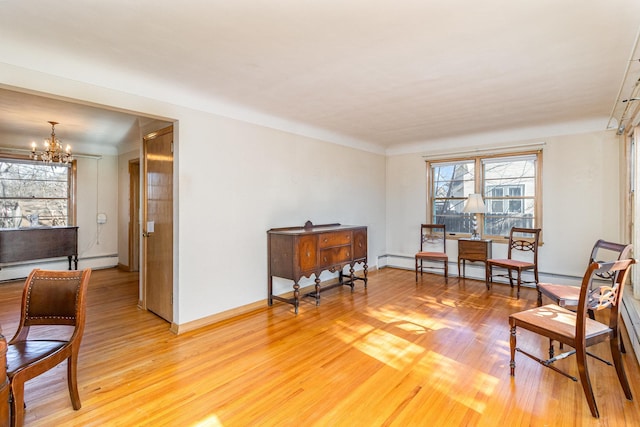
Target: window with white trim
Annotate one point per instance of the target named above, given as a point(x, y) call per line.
point(35, 194)
point(509, 185)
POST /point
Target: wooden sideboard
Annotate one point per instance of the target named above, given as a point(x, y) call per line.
point(26, 244)
point(297, 252)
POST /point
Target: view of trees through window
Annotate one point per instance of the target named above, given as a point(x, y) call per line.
point(33, 194)
point(507, 186)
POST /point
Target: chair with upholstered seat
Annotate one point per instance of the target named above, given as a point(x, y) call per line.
point(576, 329)
point(568, 296)
point(523, 241)
point(52, 303)
point(433, 248)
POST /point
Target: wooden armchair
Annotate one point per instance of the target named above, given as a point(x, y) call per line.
point(50, 298)
point(576, 329)
point(433, 247)
point(523, 241)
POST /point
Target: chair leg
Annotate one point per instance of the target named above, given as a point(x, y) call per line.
point(17, 403)
point(446, 272)
point(416, 269)
point(519, 280)
point(581, 358)
point(539, 296)
point(617, 362)
point(72, 380)
point(512, 347)
point(487, 276)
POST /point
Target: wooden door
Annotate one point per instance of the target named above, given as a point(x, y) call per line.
point(157, 223)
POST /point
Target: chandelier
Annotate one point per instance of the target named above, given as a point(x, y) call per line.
point(53, 151)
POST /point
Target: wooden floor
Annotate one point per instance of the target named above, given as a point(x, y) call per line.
point(397, 354)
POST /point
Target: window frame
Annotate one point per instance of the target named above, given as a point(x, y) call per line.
point(479, 186)
point(72, 180)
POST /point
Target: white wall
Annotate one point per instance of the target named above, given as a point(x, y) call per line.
point(582, 202)
point(242, 180)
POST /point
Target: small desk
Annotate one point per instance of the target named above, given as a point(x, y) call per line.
point(473, 250)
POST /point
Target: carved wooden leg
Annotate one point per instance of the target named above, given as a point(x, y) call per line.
point(519, 280)
point(365, 274)
point(512, 347)
point(317, 280)
point(417, 268)
point(353, 277)
point(296, 296)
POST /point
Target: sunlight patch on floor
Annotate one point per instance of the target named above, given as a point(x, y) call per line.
point(210, 421)
point(383, 346)
point(448, 375)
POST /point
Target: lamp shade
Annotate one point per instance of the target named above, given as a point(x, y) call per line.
point(474, 204)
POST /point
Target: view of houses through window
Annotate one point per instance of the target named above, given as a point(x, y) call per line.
point(34, 194)
point(507, 184)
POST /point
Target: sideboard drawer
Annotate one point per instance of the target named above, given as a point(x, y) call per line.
point(335, 255)
point(473, 250)
point(338, 238)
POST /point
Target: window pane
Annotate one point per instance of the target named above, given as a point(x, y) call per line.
point(452, 183)
point(33, 193)
point(510, 190)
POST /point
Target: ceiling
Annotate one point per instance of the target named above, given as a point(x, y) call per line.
point(388, 75)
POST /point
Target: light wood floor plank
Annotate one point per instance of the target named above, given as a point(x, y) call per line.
point(396, 354)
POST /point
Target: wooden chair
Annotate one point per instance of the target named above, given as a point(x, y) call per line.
point(576, 329)
point(49, 298)
point(568, 296)
point(433, 247)
point(523, 241)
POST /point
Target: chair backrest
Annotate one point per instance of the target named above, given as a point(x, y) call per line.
point(603, 296)
point(433, 238)
point(604, 251)
point(54, 298)
point(524, 240)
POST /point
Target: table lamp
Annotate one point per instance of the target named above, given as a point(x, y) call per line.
point(474, 205)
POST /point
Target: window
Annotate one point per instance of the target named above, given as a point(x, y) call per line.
point(508, 185)
point(35, 193)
